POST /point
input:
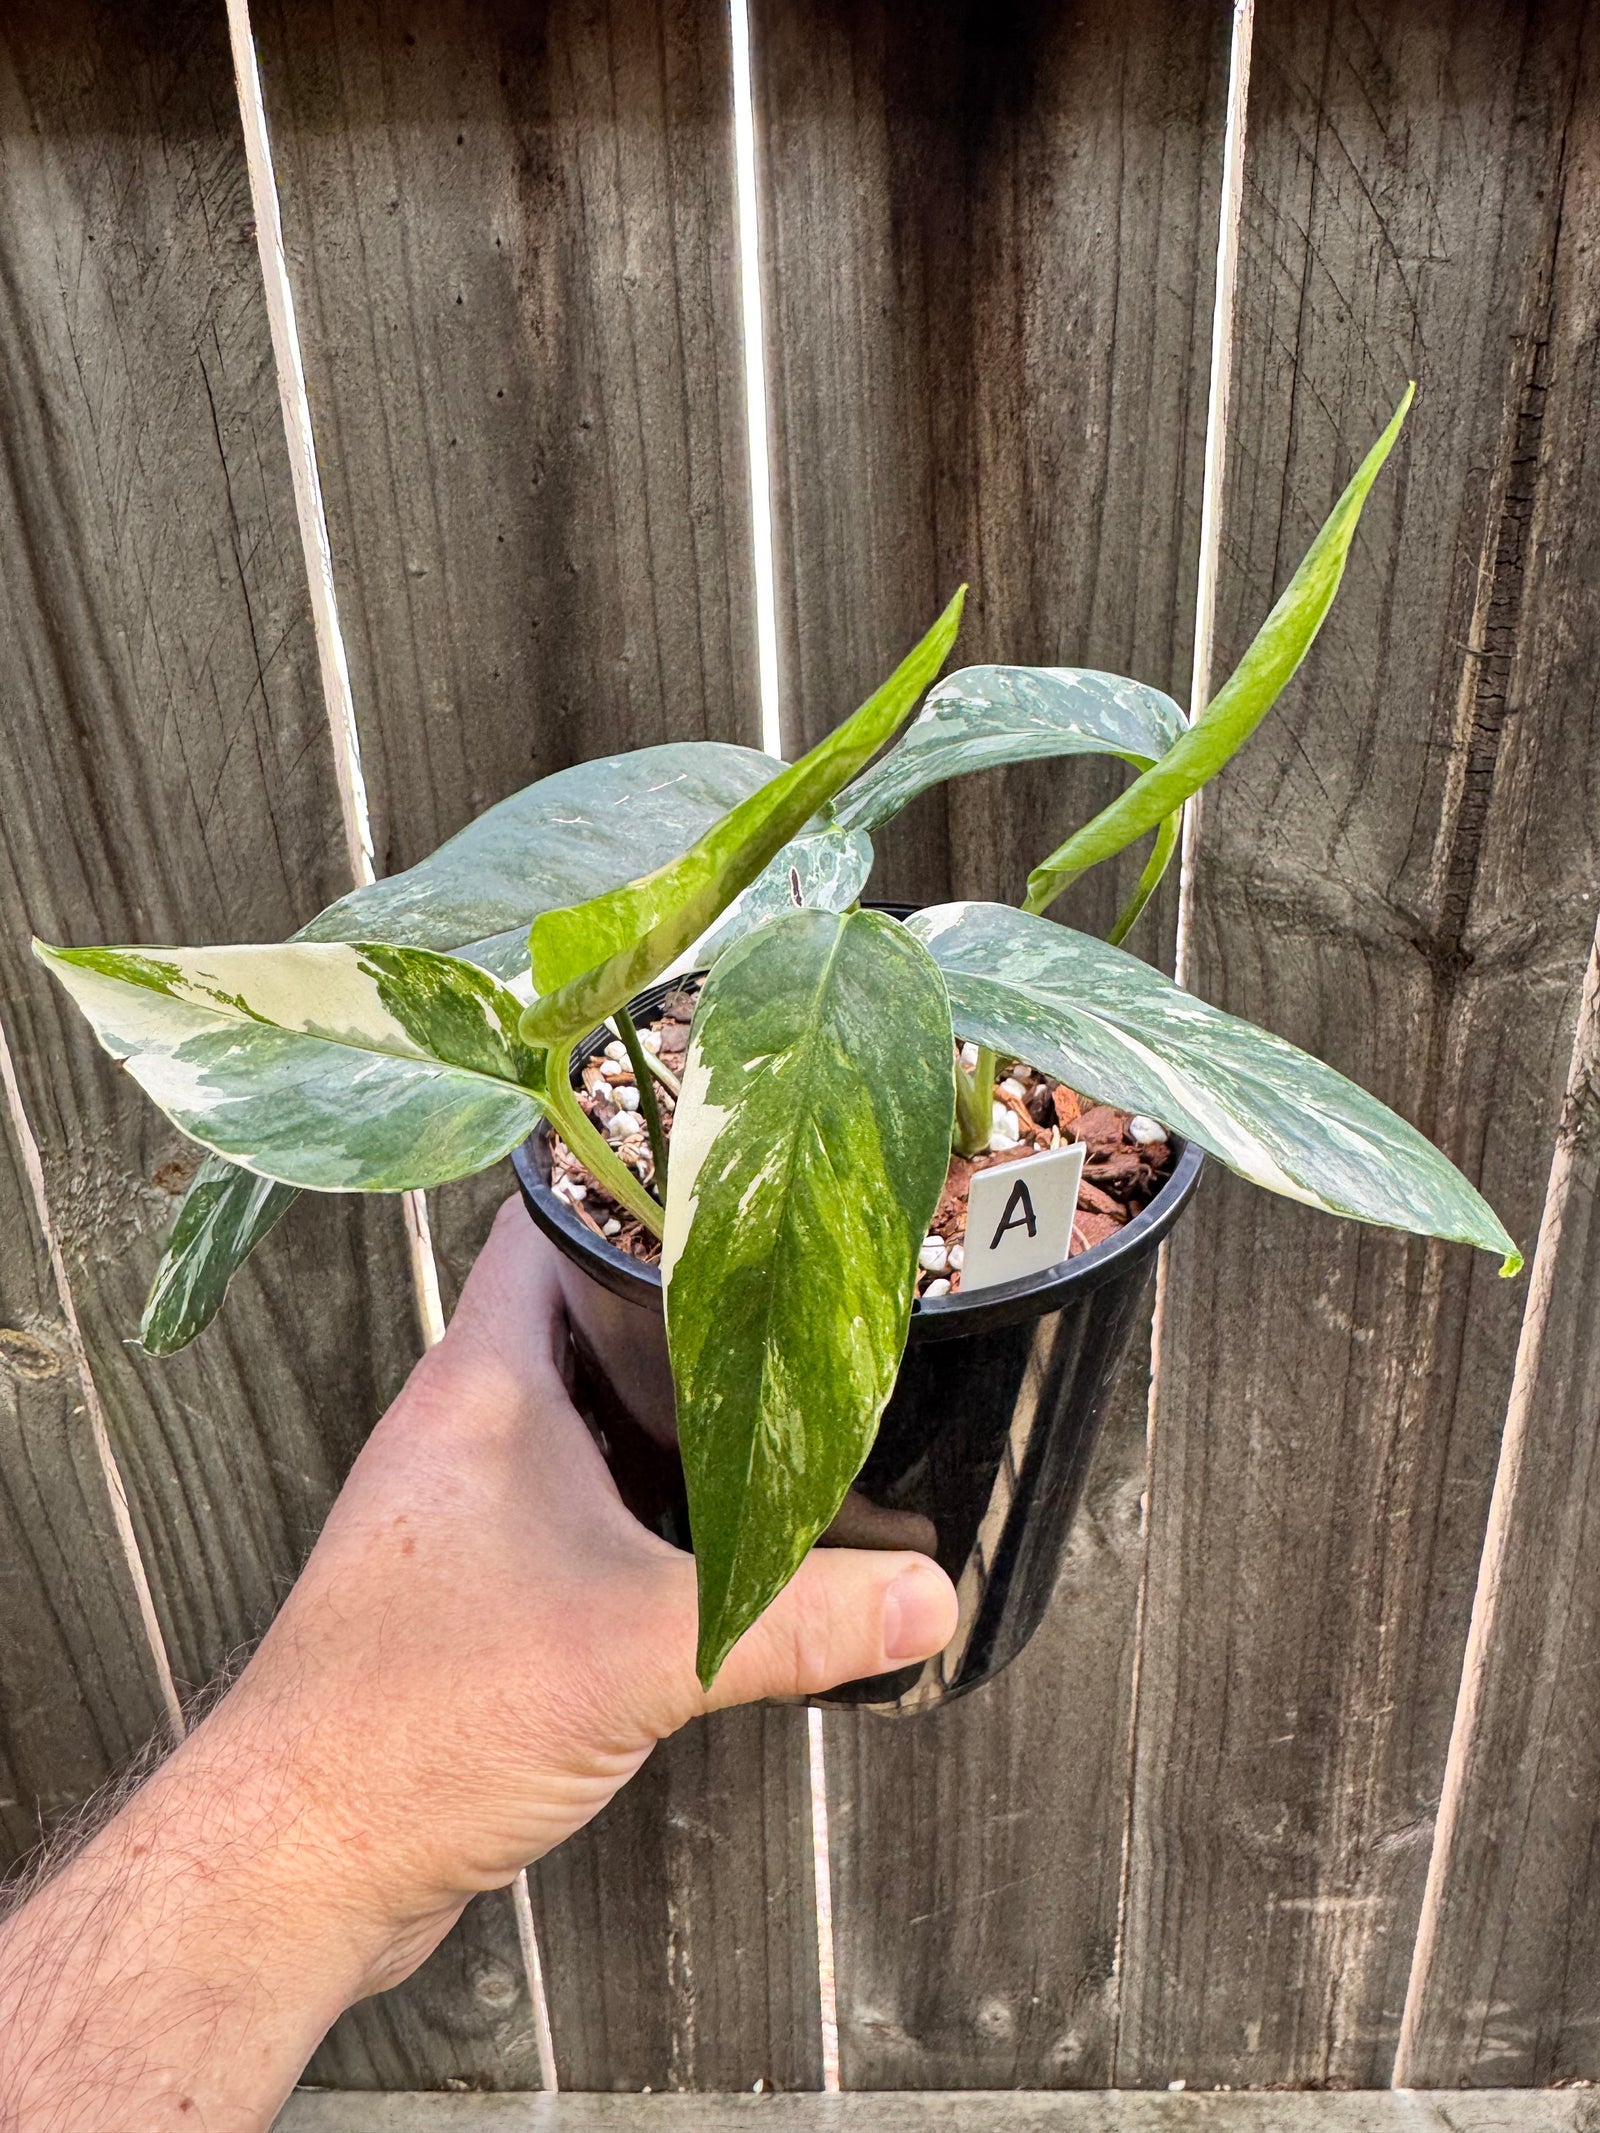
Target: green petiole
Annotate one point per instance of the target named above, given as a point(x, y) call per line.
point(641, 1062)
point(589, 1145)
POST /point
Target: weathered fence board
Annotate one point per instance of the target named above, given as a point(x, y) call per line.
point(510, 235)
point(79, 1687)
point(980, 2111)
point(989, 244)
point(1394, 876)
point(1508, 1963)
point(987, 271)
point(168, 777)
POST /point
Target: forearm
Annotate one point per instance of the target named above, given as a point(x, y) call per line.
point(182, 1968)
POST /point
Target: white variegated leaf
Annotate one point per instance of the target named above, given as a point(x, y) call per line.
point(984, 717)
point(225, 1214)
point(808, 1150)
point(1120, 1031)
point(825, 868)
point(361, 1068)
point(573, 835)
point(591, 959)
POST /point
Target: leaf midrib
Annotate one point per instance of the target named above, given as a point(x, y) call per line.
point(823, 980)
point(248, 1020)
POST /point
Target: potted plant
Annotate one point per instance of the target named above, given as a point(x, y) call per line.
point(427, 1025)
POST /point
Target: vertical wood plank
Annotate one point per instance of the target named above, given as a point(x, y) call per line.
point(1507, 1980)
point(1504, 1988)
point(168, 776)
point(79, 1692)
point(1394, 875)
point(989, 247)
point(510, 232)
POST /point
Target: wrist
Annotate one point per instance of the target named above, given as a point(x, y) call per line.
point(275, 1798)
point(184, 1966)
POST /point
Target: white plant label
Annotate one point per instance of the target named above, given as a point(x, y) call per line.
point(1020, 1216)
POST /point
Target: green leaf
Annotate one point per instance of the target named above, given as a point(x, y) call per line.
point(571, 836)
point(1239, 705)
point(1118, 1030)
point(808, 1153)
point(596, 956)
point(363, 1068)
point(226, 1213)
point(982, 717)
point(825, 868)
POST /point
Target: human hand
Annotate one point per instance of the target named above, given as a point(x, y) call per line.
point(483, 1646)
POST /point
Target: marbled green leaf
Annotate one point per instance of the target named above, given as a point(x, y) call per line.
point(570, 836)
point(225, 1214)
point(983, 717)
point(808, 1152)
point(362, 1068)
point(593, 958)
point(825, 868)
point(1120, 1031)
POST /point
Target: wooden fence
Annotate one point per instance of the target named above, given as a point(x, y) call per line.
point(1300, 1783)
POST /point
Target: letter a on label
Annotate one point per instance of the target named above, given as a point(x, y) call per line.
point(1019, 1218)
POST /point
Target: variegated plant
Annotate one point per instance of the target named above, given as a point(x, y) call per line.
point(418, 1029)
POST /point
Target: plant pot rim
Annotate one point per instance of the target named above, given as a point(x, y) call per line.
point(938, 1318)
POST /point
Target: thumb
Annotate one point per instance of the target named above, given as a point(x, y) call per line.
point(846, 1612)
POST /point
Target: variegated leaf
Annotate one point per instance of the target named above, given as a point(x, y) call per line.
point(1118, 1030)
point(808, 1151)
point(589, 960)
point(571, 836)
point(225, 1214)
point(983, 717)
point(1157, 796)
point(364, 1068)
point(825, 868)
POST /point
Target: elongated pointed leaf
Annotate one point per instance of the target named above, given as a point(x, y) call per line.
point(1118, 1030)
point(825, 868)
point(808, 1152)
point(366, 1068)
point(571, 836)
point(595, 957)
point(1239, 705)
point(986, 716)
point(225, 1214)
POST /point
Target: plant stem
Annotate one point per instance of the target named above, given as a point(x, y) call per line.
point(590, 1146)
point(975, 1104)
point(639, 1059)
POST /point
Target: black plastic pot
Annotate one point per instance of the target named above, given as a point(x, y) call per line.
point(982, 1451)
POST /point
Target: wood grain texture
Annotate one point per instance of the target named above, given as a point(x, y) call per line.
point(79, 1692)
point(1508, 1979)
point(168, 777)
point(510, 236)
point(679, 1932)
point(988, 252)
point(1397, 874)
point(1505, 1985)
point(975, 2111)
point(510, 233)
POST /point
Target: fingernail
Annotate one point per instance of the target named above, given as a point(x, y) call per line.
point(916, 1614)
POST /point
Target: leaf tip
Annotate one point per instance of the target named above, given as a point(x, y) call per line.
point(1511, 1265)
